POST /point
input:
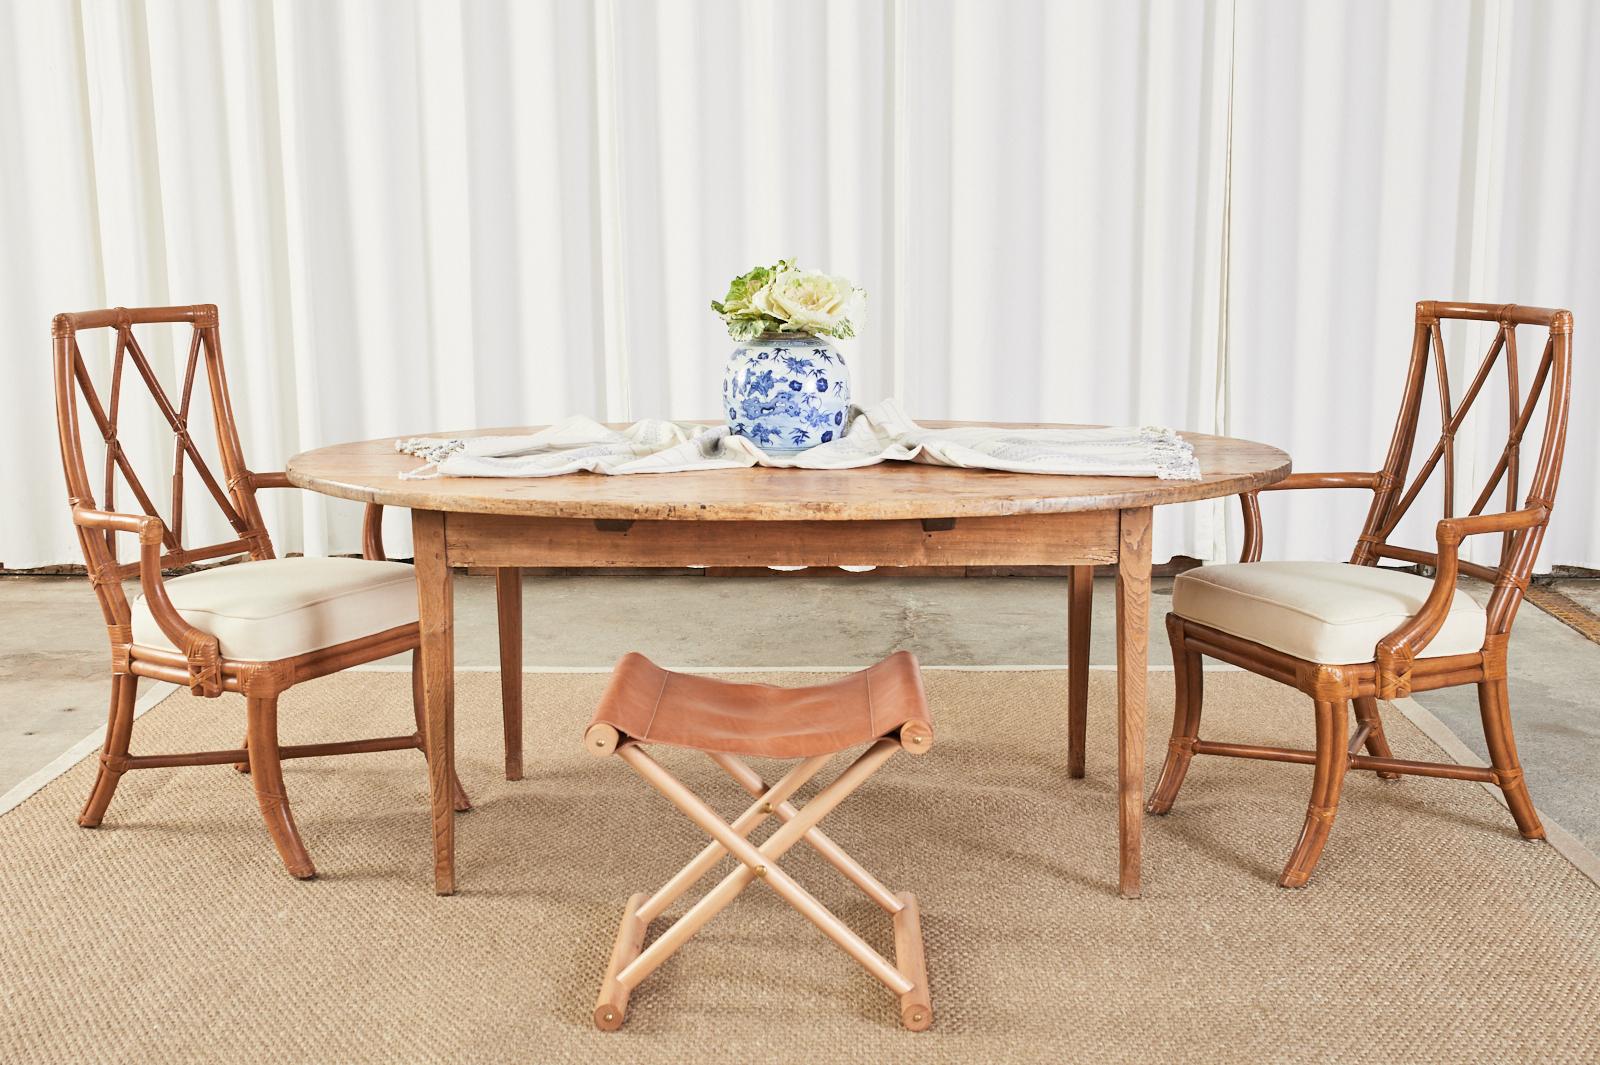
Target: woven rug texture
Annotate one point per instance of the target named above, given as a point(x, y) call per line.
point(1430, 933)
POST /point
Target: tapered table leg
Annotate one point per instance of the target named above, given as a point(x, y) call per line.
point(508, 603)
point(436, 609)
point(1133, 622)
point(1080, 598)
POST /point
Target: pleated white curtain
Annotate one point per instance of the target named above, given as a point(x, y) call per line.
point(1390, 152)
point(420, 216)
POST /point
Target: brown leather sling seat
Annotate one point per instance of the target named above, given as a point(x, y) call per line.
point(654, 705)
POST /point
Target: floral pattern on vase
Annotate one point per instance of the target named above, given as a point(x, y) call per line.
point(786, 393)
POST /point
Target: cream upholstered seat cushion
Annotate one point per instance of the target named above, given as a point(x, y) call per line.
point(1320, 611)
point(282, 607)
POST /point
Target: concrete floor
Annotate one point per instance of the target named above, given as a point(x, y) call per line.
point(53, 656)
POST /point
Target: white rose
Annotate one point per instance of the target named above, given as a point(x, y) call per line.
point(808, 301)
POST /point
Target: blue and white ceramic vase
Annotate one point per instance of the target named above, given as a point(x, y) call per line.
point(786, 392)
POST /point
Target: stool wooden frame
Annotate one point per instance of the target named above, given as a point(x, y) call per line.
point(631, 961)
point(199, 665)
point(1399, 667)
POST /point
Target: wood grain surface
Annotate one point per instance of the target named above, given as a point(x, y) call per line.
point(369, 472)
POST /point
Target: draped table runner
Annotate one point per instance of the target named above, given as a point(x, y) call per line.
point(882, 433)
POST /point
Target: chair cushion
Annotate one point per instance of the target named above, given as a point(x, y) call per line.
point(282, 607)
point(1329, 612)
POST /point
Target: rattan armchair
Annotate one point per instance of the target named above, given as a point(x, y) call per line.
point(1354, 633)
point(255, 628)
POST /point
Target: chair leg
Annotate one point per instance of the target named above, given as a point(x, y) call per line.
point(119, 727)
point(611, 1007)
point(244, 766)
point(508, 603)
point(916, 1008)
point(1377, 743)
point(1188, 678)
point(1080, 600)
point(1333, 758)
point(266, 772)
point(461, 802)
point(1494, 705)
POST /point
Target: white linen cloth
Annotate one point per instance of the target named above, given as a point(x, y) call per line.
point(881, 433)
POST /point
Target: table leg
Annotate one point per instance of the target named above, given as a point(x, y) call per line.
point(1133, 622)
point(1080, 598)
point(508, 604)
point(436, 610)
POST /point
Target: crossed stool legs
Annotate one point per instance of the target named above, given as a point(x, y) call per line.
point(632, 961)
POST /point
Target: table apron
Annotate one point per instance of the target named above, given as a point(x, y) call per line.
point(1081, 538)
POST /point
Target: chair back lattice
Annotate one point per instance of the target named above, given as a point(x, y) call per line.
point(232, 490)
point(1397, 489)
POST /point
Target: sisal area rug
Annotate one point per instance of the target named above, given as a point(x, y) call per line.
point(1430, 933)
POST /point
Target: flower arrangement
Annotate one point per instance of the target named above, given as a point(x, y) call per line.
point(783, 298)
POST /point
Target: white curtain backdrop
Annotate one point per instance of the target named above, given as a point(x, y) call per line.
point(1388, 152)
point(418, 216)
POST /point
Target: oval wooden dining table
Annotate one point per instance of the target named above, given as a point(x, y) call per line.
point(893, 514)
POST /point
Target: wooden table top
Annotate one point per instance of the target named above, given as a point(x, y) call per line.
point(369, 472)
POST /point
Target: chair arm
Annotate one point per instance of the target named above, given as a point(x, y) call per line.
point(1455, 530)
point(372, 534)
point(1251, 552)
point(199, 649)
point(371, 522)
point(275, 479)
point(1297, 481)
point(138, 524)
point(1397, 651)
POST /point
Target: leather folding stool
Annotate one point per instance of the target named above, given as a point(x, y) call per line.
point(883, 707)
